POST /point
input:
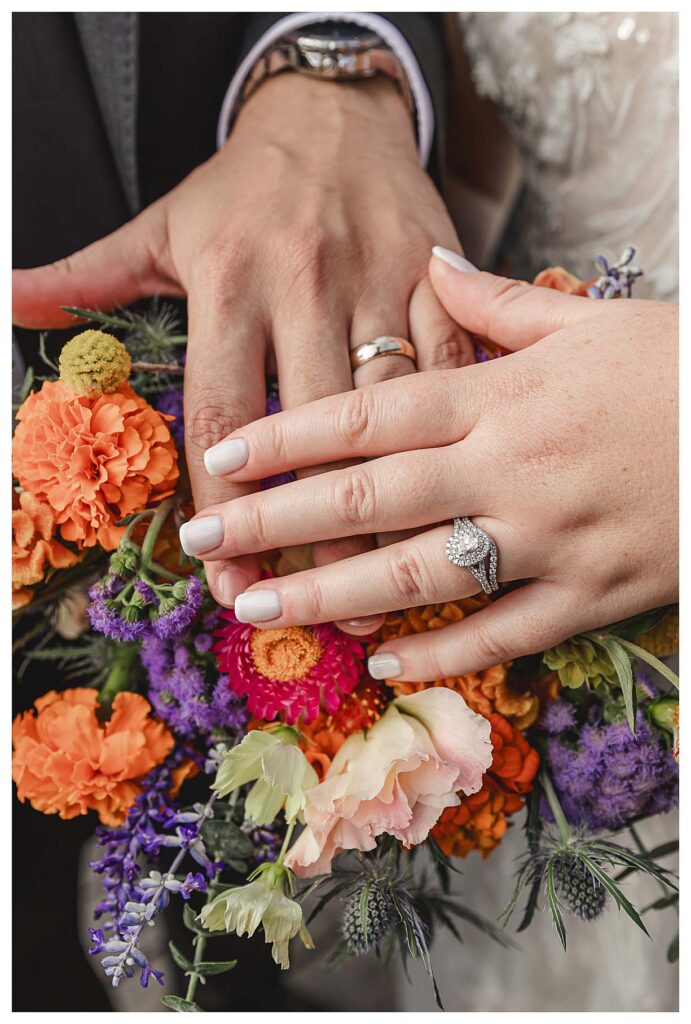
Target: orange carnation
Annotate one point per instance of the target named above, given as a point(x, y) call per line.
point(486, 691)
point(562, 281)
point(93, 460)
point(66, 762)
point(479, 822)
point(34, 548)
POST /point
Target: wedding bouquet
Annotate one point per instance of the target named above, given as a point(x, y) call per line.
point(249, 777)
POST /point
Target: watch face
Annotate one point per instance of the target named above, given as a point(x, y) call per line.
point(336, 36)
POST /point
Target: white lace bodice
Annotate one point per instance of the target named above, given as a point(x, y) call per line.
point(592, 100)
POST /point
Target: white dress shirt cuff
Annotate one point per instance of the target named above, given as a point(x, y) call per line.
point(393, 38)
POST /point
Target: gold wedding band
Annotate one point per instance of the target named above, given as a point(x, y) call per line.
point(384, 346)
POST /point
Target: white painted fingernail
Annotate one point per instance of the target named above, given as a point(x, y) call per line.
point(201, 535)
point(455, 260)
point(257, 606)
point(384, 666)
point(226, 456)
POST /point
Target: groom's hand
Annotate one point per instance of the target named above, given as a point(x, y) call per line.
point(307, 235)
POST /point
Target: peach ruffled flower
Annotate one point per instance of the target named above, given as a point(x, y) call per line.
point(396, 778)
point(479, 822)
point(66, 762)
point(94, 461)
point(34, 547)
point(562, 281)
point(487, 691)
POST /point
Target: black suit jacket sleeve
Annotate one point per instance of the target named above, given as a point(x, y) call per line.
point(425, 36)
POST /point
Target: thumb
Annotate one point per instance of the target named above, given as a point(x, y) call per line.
point(129, 264)
point(510, 313)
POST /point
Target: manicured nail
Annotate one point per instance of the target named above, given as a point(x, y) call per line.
point(257, 606)
point(455, 260)
point(201, 535)
point(366, 622)
point(229, 584)
point(226, 456)
point(384, 666)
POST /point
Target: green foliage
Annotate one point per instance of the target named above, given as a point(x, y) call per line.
point(181, 1005)
point(228, 843)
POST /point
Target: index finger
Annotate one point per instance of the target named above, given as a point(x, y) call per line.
point(417, 411)
point(224, 389)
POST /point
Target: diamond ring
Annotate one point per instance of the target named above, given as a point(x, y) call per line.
point(472, 548)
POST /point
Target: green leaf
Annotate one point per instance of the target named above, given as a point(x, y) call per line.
point(614, 890)
point(99, 318)
point(181, 1005)
point(622, 664)
point(227, 841)
point(673, 950)
point(531, 906)
point(180, 959)
point(555, 806)
point(662, 903)
point(650, 659)
point(629, 629)
point(554, 907)
point(207, 968)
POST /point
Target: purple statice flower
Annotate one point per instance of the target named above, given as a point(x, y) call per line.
point(178, 616)
point(185, 688)
point(613, 776)
point(273, 405)
point(558, 716)
point(170, 404)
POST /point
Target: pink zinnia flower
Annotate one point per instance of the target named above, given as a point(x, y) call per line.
point(297, 671)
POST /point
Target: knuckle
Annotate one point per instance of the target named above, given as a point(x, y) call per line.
point(449, 350)
point(355, 419)
point(309, 252)
point(410, 577)
point(314, 599)
point(354, 499)
point(256, 527)
point(208, 421)
point(512, 386)
point(489, 648)
point(220, 267)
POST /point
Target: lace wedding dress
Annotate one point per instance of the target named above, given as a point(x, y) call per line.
point(592, 101)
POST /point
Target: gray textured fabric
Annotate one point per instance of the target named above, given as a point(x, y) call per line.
point(110, 43)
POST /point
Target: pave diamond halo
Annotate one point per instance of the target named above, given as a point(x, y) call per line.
point(469, 547)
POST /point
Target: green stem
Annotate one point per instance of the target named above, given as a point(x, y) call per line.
point(199, 950)
point(286, 843)
point(124, 657)
point(555, 807)
point(159, 518)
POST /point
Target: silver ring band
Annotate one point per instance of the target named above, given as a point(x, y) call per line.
point(471, 548)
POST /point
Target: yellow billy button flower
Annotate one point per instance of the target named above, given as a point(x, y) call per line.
point(281, 773)
point(94, 363)
point(263, 901)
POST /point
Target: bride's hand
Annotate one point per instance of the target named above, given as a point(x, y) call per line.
point(564, 452)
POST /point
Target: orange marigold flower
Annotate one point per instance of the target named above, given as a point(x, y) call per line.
point(66, 762)
point(562, 281)
point(479, 822)
point(93, 460)
point(486, 691)
point(34, 547)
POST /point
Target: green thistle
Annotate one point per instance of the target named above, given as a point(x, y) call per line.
point(578, 889)
point(579, 662)
point(368, 917)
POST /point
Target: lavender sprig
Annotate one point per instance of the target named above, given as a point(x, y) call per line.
point(151, 895)
point(616, 280)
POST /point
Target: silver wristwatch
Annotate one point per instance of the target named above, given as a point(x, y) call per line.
point(334, 52)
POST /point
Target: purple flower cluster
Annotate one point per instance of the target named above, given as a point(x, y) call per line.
point(611, 776)
point(185, 688)
point(138, 836)
point(170, 404)
point(137, 611)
